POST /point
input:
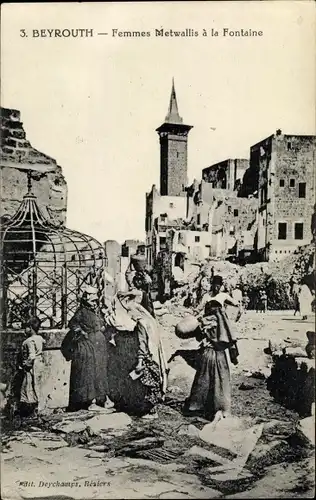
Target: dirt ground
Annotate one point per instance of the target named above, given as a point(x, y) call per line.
point(38, 462)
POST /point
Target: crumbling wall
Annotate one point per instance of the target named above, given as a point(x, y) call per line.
point(17, 158)
point(235, 217)
point(225, 173)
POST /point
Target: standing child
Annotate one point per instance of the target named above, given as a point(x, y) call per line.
point(32, 368)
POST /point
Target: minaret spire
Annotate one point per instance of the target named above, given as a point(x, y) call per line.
point(173, 137)
point(173, 113)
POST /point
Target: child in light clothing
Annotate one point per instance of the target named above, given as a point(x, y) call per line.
point(32, 367)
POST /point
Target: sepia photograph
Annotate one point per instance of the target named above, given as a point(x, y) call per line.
point(158, 232)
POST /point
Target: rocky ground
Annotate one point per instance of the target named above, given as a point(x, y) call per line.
point(115, 456)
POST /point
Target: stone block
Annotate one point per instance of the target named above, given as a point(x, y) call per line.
point(210, 455)
point(189, 430)
point(67, 427)
point(108, 422)
point(306, 431)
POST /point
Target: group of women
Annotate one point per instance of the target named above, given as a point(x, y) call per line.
point(117, 358)
point(115, 352)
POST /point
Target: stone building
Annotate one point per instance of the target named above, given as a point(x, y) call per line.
point(130, 247)
point(18, 157)
point(227, 223)
point(282, 175)
point(161, 212)
point(233, 226)
point(226, 174)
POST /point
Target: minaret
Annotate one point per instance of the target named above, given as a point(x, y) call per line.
point(173, 151)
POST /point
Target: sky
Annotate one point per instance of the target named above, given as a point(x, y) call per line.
point(94, 103)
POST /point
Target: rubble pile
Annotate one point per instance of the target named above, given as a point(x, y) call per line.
point(304, 265)
point(274, 277)
point(292, 379)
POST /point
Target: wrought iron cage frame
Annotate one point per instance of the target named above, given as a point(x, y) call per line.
point(23, 236)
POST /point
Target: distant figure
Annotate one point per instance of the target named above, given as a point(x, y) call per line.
point(32, 368)
point(189, 300)
point(138, 264)
point(237, 295)
point(305, 301)
point(222, 297)
point(262, 301)
point(245, 301)
point(295, 290)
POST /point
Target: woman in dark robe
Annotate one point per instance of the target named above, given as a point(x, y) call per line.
point(86, 346)
point(211, 390)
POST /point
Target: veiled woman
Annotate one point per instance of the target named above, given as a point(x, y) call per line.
point(86, 346)
point(211, 390)
point(305, 299)
point(138, 351)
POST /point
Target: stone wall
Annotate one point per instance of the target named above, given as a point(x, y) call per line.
point(224, 175)
point(295, 167)
point(286, 192)
point(18, 157)
point(236, 218)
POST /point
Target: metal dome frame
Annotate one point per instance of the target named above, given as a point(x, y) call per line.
point(45, 268)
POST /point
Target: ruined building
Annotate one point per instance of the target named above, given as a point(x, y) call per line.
point(226, 174)
point(227, 222)
point(281, 176)
point(18, 157)
point(243, 210)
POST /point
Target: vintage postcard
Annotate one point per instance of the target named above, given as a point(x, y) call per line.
point(158, 230)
